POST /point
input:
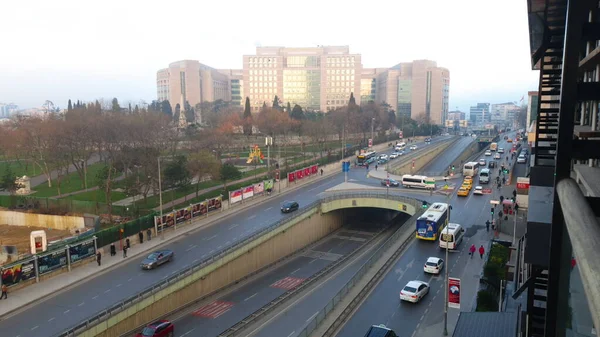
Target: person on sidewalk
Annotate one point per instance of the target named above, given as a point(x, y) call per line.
point(487, 226)
point(149, 234)
point(472, 250)
point(125, 251)
point(376, 167)
point(99, 258)
point(481, 251)
point(321, 171)
point(141, 237)
point(113, 249)
point(503, 180)
point(127, 243)
point(4, 292)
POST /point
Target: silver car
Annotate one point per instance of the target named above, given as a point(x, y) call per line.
point(157, 258)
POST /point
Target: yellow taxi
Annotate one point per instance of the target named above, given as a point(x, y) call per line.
point(467, 184)
point(463, 192)
point(468, 178)
point(509, 140)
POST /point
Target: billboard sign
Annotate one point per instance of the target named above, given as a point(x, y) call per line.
point(454, 292)
point(15, 273)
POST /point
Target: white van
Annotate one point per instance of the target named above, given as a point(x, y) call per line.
point(484, 176)
point(410, 181)
point(452, 235)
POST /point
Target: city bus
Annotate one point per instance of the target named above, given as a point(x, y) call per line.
point(365, 158)
point(494, 147)
point(471, 169)
point(431, 223)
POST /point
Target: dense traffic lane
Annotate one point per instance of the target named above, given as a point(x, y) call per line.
point(217, 315)
point(68, 308)
point(383, 305)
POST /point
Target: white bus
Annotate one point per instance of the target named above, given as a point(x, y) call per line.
point(452, 236)
point(471, 169)
point(410, 181)
point(400, 147)
point(484, 176)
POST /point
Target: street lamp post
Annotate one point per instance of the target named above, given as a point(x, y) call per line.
point(269, 143)
point(162, 234)
point(447, 275)
point(372, 139)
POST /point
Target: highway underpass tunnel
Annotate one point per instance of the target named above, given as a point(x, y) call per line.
point(370, 219)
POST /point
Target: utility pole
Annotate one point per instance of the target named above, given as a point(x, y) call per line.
point(269, 143)
point(372, 139)
point(447, 275)
point(162, 234)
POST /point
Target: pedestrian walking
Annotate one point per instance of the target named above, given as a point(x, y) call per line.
point(503, 180)
point(375, 167)
point(321, 171)
point(4, 292)
point(472, 250)
point(127, 243)
point(113, 249)
point(141, 237)
point(487, 225)
point(99, 258)
point(124, 251)
point(149, 234)
point(481, 251)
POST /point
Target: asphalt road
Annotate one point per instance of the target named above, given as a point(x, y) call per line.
point(440, 165)
point(68, 308)
point(383, 305)
point(212, 318)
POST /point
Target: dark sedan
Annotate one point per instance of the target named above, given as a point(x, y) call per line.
point(289, 206)
point(391, 182)
point(157, 258)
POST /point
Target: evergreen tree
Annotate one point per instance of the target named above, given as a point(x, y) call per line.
point(289, 108)
point(166, 108)
point(247, 118)
point(129, 107)
point(69, 106)
point(136, 109)
point(297, 113)
point(276, 103)
point(177, 112)
point(352, 107)
point(115, 105)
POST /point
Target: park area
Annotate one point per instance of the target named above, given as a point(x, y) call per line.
point(19, 236)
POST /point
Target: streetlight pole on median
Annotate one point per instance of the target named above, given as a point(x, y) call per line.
point(447, 274)
point(372, 139)
point(162, 233)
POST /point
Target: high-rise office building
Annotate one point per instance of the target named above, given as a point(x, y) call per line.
point(479, 114)
point(318, 78)
point(6, 110)
point(195, 81)
point(503, 113)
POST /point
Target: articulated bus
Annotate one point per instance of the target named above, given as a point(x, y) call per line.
point(365, 158)
point(431, 223)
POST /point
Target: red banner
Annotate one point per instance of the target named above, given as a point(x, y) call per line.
point(291, 177)
point(523, 185)
point(299, 174)
point(454, 292)
point(314, 169)
point(307, 171)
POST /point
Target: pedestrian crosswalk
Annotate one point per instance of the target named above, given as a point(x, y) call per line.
point(213, 310)
point(288, 283)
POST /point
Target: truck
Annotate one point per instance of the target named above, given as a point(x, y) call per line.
point(494, 147)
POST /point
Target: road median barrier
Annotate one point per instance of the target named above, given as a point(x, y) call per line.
point(420, 159)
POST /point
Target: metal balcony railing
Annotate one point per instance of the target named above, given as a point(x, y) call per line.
point(584, 232)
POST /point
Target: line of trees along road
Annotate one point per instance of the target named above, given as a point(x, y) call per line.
point(128, 141)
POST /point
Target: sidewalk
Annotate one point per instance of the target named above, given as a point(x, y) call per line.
point(20, 299)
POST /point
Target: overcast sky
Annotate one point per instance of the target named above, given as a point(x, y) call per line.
point(61, 49)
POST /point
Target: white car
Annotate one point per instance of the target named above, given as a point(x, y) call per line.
point(434, 265)
point(414, 291)
point(521, 159)
point(478, 190)
point(482, 162)
point(497, 156)
point(488, 153)
point(500, 150)
point(413, 147)
point(394, 155)
point(383, 156)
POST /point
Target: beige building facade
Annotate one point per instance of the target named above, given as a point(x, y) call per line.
point(317, 78)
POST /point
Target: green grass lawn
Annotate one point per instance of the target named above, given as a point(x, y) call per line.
point(168, 196)
point(96, 195)
point(18, 169)
point(70, 183)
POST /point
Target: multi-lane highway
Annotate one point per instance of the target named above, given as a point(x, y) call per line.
point(218, 314)
point(69, 307)
point(383, 305)
point(439, 166)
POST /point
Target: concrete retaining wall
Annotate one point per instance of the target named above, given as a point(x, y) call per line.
point(423, 159)
point(13, 218)
point(367, 202)
point(283, 241)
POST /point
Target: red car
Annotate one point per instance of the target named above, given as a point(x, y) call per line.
point(162, 328)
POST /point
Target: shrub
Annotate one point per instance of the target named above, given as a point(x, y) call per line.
point(486, 301)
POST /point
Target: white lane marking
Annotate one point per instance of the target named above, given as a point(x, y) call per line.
point(294, 272)
point(35, 327)
point(95, 297)
point(187, 333)
point(228, 242)
point(66, 311)
point(196, 260)
point(129, 279)
point(252, 217)
point(51, 319)
point(233, 226)
point(312, 261)
point(107, 291)
point(291, 333)
point(212, 251)
point(313, 316)
point(118, 285)
point(210, 238)
point(191, 247)
point(266, 209)
point(250, 297)
point(81, 304)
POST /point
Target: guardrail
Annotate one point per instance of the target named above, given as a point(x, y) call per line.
point(379, 194)
point(584, 233)
point(313, 324)
point(420, 151)
point(123, 305)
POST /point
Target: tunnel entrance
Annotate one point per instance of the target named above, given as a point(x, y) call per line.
point(371, 218)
